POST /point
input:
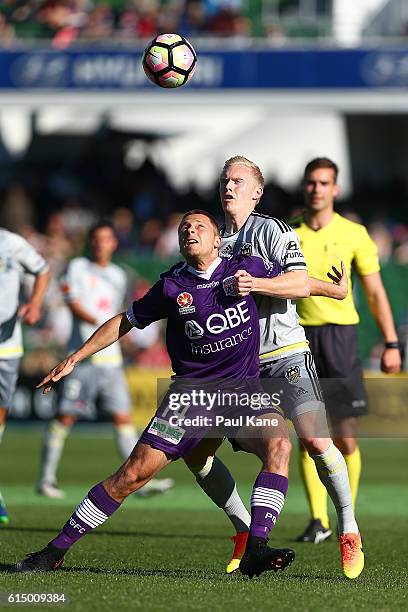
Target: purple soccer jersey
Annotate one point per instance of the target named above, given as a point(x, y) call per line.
point(212, 338)
point(211, 332)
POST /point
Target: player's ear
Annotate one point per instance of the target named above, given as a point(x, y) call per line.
point(217, 242)
point(336, 190)
point(258, 193)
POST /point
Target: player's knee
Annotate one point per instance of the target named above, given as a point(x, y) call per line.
point(67, 420)
point(201, 469)
point(346, 446)
point(316, 446)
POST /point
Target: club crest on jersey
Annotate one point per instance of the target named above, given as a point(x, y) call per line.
point(185, 300)
point(246, 249)
point(292, 374)
point(229, 285)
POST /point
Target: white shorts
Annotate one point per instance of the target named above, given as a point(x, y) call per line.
point(88, 384)
point(8, 380)
point(295, 378)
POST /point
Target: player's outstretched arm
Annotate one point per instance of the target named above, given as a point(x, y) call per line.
point(292, 285)
point(104, 336)
point(337, 290)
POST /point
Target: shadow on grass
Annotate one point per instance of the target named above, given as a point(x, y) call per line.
point(146, 572)
point(137, 534)
point(186, 574)
point(8, 568)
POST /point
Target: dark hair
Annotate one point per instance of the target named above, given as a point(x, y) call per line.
point(321, 162)
point(199, 211)
point(100, 225)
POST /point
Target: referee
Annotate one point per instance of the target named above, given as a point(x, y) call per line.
point(331, 328)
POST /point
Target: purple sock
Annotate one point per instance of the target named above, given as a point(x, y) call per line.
point(93, 510)
point(268, 497)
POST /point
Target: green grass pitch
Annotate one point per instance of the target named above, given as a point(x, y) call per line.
point(169, 552)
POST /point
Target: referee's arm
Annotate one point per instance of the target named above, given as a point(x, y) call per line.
point(381, 311)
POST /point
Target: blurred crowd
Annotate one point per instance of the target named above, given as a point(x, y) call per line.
point(148, 244)
point(65, 21)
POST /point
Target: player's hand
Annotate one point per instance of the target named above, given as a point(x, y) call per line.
point(391, 361)
point(62, 369)
point(340, 279)
point(29, 313)
point(244, 283)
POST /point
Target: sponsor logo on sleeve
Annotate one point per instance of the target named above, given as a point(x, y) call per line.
point(185, 300)
point(292, 374)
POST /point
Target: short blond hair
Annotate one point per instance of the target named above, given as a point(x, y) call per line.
point(244, 161)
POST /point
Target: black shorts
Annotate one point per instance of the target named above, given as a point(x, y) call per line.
point(335, 352)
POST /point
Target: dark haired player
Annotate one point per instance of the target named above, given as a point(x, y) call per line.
point(212, 334)
point(331, 328)
point(94, 290)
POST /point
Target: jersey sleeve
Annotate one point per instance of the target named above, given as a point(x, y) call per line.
point(30, 260)
point(151, 307)
point(262, 268)
point(71, 283)
point(366, 255)
point(283, 246)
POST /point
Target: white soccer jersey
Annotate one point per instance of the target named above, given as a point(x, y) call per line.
point(271, 239)
point(101, 291)
point(17, 257)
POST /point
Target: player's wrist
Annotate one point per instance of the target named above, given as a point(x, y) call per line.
point(394, 344)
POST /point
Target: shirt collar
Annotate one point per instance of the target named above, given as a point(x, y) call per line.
point(206, 274)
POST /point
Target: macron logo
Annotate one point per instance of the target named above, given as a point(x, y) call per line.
point(208, 285)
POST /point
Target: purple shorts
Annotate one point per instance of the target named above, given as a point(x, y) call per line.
point(190, 412)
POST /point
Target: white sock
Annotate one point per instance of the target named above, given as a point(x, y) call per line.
point(126, 438)
point(53, 446)
point(332, 470)
point(217, 482)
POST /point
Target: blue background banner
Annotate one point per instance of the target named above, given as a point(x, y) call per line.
point(120, 69)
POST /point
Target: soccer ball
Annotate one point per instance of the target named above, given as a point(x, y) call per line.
point(169, 60)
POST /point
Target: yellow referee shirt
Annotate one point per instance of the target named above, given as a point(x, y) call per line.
point(340, 240)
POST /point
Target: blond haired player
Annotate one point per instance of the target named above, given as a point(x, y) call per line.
point(285, 359)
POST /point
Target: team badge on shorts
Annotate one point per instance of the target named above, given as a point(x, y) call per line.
point(229, 285)
point(185, 300)
point(292, 374)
